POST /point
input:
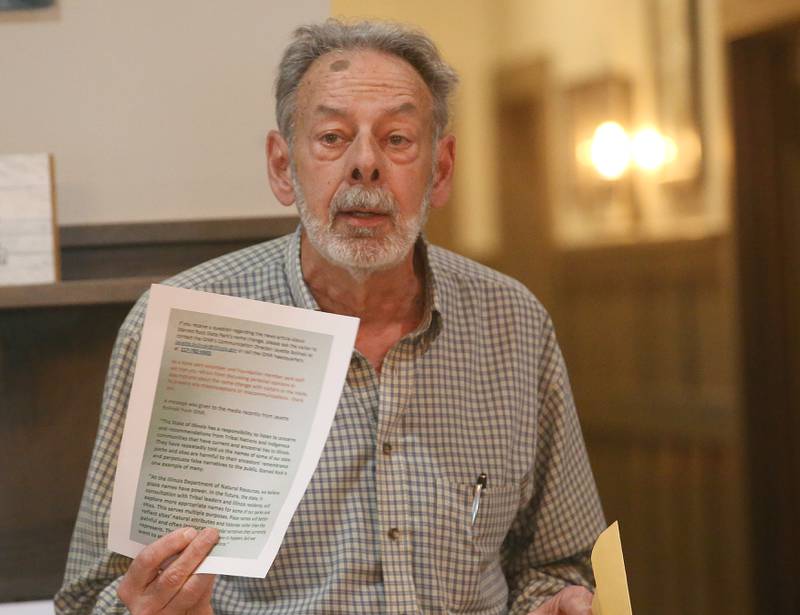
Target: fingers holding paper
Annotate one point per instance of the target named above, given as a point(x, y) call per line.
point(572, 600)
point(161, 578)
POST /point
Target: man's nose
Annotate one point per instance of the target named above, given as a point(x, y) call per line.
point(364, 166)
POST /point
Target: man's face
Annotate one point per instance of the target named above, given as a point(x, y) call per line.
point(363, 158)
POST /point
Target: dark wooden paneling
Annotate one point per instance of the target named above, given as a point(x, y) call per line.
point(52, 365)
point(55, 341)
point(152, 233)
point(150, 249)
point(671, 496)
point(646, 330)
point(766, 115)
point(76, 292)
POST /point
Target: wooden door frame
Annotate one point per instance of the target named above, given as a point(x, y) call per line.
point(767, 225)
point(524, 120)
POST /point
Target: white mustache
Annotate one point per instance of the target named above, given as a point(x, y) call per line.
point(358, 198)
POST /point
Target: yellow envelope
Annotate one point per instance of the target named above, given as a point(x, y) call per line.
point(611, 596)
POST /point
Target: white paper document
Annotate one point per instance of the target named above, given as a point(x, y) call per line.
point(231, 405)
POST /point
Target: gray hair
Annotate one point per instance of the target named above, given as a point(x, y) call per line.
point(313, 41)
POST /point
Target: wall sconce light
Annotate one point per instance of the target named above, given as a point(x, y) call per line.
point(611, 150)
point(602, 149)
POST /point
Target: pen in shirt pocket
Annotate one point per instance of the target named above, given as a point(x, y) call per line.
point(477, 492)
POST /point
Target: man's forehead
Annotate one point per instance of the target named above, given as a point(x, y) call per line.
point(343, 74)
point(338, 65)
point(374, 59)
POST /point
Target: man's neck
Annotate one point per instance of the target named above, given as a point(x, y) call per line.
point(390, 302)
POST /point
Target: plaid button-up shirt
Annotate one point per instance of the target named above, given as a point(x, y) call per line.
point(386, 523)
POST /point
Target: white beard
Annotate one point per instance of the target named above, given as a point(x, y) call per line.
point(362, 250)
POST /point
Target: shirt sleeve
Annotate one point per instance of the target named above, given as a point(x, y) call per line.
point(92, 571)
point(550, 541)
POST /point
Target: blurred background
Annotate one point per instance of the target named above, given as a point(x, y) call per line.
point(636, 163)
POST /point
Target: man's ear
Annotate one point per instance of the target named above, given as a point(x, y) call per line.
point(443, 178)
point(279, 168)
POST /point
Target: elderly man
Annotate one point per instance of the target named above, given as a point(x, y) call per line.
point(456, 388)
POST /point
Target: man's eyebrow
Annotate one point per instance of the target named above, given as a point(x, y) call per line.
point(331, 111)
point(406, 108)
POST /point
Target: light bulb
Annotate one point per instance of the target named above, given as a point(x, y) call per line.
point(649, 149)
point(610, 151)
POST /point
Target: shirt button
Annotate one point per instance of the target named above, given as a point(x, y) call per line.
point(387, 448)
point(393, 533)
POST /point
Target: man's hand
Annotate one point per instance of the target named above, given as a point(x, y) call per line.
point(161, 580)
point(572, 600)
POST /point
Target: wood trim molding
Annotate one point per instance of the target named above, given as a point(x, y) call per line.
point(75, 293)
point(233, 229)
point(159, 248)
point(115, 263)
point(672, 261)
point(741, 18)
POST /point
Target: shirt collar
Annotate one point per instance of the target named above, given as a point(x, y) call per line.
point(301, 294)
point(432, 314)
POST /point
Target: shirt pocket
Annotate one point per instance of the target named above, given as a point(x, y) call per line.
point(467, 556)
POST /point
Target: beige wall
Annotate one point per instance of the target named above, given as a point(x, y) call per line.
point(152, 110)
point(582, 37)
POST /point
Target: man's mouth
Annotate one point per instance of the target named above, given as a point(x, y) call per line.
point(363, 217)
point(359, 213)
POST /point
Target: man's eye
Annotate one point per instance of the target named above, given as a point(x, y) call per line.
point(331, 138)
point(397, 140)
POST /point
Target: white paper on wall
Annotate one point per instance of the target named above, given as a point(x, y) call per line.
point(27, 239)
